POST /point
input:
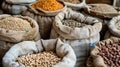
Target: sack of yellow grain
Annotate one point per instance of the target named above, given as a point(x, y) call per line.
point(81, 32)
point(107, 53)
point(18, 28)
point(44, 12)
point(43, 53)
point(75, 4)
point(103, 11)
point(15, 6)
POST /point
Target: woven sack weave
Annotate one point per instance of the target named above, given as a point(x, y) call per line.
point(13, 8)
point(29, 47)
point(79, 38)
point(17, 36)
point(98, 61)
point(44, 21)
point(102, 14)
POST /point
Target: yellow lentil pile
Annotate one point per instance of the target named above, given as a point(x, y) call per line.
point(73, 23)
point(48, 5)
point(103, 8)
point(73, 1)
point(14, 23)
point(44, 59)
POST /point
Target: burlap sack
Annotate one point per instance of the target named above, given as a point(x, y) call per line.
point(101, 14)
point(108, 34)
point(98, 61)
point(17, 36)
point(78, 6)
point(104, 25)
point(13, 8)
point(111, 2)
point(20, 1)
point(90, 62)
point(114, 26)
point(28, 47)
point(4, 47)
point(81, 39)
point(44, 22)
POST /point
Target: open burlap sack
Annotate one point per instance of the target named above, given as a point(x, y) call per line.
point(114, 26)
point(98, 60)
point(44, 21)
point(29, 47)
point(103, 11)
point(13, 8)
point(77, 6)
point(81, 39)
point(18, 35)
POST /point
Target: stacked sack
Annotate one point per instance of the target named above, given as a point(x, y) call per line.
point(14, 29)
point(103, 12)
point(61, 55)
point(79, 31)
point(15, 6)
point(107, 53)
point(114, 30)
point(75, 4)
point(44, 12)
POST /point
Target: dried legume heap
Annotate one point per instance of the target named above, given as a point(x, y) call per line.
point(118, 24)
point(73, 1)
point(14, 23)
point(110, 54)
point(103, 8)
point(72, 23)
point(48, 5)
point(44, 59)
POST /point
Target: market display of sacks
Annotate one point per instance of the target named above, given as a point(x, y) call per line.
point(107, 53)
point(62, 50)
point(15, 6)
point(14, 29)
point(79, 31)
point(44, 14)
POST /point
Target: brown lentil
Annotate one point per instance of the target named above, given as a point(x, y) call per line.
point(73, 23)
point(103, 8)
point(111, 54)
point(48, 5)
point(14, 23)
point(73, 1)
point(44, 59)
